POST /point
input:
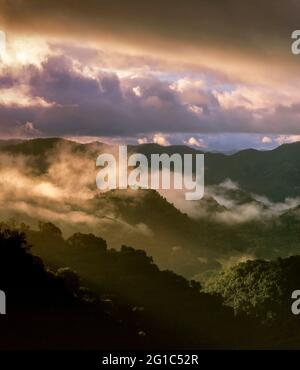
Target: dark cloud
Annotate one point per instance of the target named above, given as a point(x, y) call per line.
point(256, 28)
point(87, 106)
point(107, 105)
point(56, 82)
point(7, 81)
point(194, 20)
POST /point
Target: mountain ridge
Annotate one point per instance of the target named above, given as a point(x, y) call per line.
point(274, 174)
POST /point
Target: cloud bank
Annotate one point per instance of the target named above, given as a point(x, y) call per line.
point(149, 72)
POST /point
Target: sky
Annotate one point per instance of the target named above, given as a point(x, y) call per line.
point(214, 75)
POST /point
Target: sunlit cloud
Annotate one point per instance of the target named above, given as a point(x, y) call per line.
point(20, 97)
point(198, 143)
point(287, 139)
point(266, 140)
point(24, 50)
point(160, 139)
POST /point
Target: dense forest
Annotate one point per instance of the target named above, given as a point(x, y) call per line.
point(142, 269)
point(85, 295)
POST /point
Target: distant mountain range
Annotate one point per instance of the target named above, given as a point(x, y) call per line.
point(230, 223)
point(274, 173)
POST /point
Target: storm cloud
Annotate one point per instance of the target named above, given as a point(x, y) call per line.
point(144, 70)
